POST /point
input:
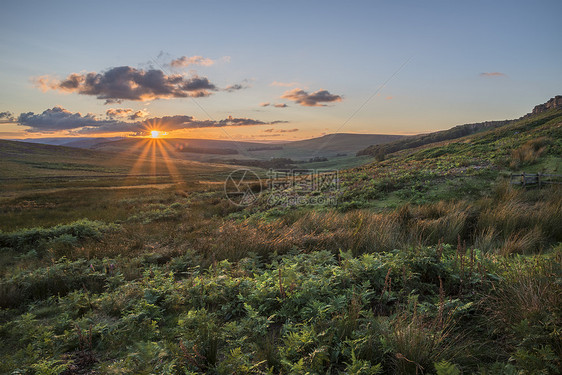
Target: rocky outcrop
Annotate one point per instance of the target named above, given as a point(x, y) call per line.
point(555, 102)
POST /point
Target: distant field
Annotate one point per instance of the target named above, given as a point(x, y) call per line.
point(330, 146)
point(26, 166)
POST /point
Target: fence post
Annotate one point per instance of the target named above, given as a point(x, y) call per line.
point(539, 179)
point(523, 178)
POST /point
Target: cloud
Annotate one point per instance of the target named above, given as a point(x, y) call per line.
point(59, 119)
point(273, 130)
point(7, 117)
point(305, 99)
point(285, 84)
point(278, 105)
point(237, 86)
point(126, 113)
point(493, 74)
point(171, 123)
point(193, 60)
point(127, 83)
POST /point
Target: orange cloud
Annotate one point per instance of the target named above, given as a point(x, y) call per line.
point(284, 84)
point(493, 74)
point(193, 60)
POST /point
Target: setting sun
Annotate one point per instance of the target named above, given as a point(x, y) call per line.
point(154, 133)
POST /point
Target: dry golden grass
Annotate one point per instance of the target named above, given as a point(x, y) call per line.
point(529, 152)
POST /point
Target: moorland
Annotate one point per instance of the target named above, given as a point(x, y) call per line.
point(126, 257)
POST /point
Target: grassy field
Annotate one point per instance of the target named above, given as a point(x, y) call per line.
point(431, 263)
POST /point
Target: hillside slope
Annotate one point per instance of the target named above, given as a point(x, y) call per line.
point(30, 165)
point(458, 131)
point(381, 150)
point(23, 159)
point(463, 167)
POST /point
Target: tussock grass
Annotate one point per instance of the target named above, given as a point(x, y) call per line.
point(525, 308)
point(419, 342)
point(507, 223)
point(529, 152)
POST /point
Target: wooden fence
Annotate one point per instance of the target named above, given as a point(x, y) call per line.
point(532, 179)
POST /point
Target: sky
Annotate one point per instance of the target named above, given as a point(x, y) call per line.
point(265, 70)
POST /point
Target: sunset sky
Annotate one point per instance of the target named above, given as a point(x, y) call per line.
point(272, 70)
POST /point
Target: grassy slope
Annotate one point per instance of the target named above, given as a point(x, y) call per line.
point(424, 139)
point(460, 167)
point(23, 159)
point(25, 166)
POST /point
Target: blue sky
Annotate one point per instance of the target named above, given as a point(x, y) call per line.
point(347, 49)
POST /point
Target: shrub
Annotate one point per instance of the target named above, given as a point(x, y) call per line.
point(64, 234)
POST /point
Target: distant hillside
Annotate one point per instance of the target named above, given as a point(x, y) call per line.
point(81, 142)
point(182, 148)
point(23, 160)
point(88, 142)
point(341, 142)
point(330, 146)
point(380, 151)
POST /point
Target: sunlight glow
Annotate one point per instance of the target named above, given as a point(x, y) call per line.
point(154, 133)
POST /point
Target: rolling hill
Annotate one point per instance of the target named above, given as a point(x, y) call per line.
point(462, 167)
point(30, 165)
point(381, 150)
point(327, 146)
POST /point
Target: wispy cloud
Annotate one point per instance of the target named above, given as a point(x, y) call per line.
point(277, 105)
point(238, 86)
point(273, 130)
point(314, 99)
point(285, 84)
point(493, 74)
point(185, 61)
